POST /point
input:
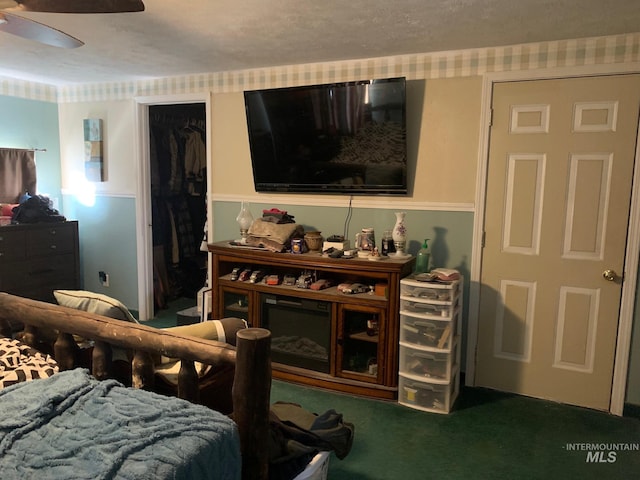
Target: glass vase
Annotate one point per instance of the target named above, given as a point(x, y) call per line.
point(244, 219)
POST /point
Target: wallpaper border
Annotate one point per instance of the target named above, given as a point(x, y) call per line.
point(615, 49)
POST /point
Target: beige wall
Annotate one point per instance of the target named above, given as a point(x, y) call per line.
point(231, 164)
point(449, 120)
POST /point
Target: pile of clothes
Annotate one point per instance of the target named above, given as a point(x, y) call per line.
point(297, 435)
point(274, 231)
point(277, 216)
point(36, 209)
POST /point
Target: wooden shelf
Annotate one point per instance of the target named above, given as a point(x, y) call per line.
point(364, 337)
point(236, 308)
point(330, 294)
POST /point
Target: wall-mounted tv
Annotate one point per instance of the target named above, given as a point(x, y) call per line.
point(336, 138)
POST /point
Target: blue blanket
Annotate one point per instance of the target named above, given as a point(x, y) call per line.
point(71, 426)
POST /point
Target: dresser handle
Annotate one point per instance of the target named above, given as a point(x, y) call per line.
point(53, 247)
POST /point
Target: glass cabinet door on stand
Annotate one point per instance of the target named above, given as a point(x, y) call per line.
point(359, 344)
point(235, 303)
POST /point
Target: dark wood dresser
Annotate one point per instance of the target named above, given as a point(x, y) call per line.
point(36, 259)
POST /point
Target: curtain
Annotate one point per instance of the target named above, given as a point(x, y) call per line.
point(17, 174)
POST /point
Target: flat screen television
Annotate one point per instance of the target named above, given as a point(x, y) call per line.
point(336, 138)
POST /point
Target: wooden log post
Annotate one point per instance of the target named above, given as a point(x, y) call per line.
point(251, 400)
point(65, 351)
point(102, 363)
point(5, 328)
point(30, 336)
point(188, 382)
point(142, 374)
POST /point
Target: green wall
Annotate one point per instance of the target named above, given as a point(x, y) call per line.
point(108, 243)
point(34, 124)
point(455, 229)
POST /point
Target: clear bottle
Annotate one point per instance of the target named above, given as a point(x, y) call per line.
point(423, 257)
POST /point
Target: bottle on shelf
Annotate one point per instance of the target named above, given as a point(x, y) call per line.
point(387, 243)
point(423, 257)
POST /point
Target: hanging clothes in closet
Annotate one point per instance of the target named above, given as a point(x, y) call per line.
point(178, 199)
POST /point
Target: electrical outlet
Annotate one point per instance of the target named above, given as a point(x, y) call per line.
point(104, 278)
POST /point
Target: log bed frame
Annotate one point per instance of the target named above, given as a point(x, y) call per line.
point(251, 359)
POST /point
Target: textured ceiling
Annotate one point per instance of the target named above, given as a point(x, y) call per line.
point(203, 36)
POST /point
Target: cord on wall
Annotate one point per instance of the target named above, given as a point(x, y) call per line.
point(347, 220)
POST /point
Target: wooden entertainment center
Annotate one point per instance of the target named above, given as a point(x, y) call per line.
point(326, 338)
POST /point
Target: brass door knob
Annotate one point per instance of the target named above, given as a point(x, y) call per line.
point(610, 275)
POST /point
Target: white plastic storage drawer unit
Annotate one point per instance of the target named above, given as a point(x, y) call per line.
point(429, 344)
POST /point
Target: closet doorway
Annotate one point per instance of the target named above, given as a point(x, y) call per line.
point(178, 203)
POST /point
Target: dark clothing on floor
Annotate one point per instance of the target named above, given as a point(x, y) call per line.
point(297, 435)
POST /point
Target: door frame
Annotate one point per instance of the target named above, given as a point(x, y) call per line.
point(144, 237)
point(625, 322)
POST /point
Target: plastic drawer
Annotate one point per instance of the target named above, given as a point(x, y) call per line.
point(433, 309)
point(431, 397)
point(443, 292)
point(427, 333)
point(427, 364)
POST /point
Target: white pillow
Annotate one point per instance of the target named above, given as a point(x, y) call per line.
point(94, 303)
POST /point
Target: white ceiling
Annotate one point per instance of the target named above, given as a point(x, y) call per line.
point(203, 36)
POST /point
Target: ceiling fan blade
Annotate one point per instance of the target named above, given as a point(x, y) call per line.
point(39, 32)
point(74, 6)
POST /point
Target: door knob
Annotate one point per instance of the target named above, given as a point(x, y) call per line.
point(610, 275)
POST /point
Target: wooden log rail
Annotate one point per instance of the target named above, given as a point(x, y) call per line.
point(251, 359)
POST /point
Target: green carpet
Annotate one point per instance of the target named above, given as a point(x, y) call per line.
point(167, 317)
point(489, 435)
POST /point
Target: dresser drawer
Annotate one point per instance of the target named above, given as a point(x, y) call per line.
point(12, 244)
point(51, 240)
point(38, 278)
point(54, 270)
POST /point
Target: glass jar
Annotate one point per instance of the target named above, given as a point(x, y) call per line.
point(387, 243)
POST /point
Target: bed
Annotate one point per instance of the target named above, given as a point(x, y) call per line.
point(73, 423)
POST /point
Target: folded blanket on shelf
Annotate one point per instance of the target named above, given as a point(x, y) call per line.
point(273, 236)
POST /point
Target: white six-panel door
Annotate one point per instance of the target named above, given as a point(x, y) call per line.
point(557, 208)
